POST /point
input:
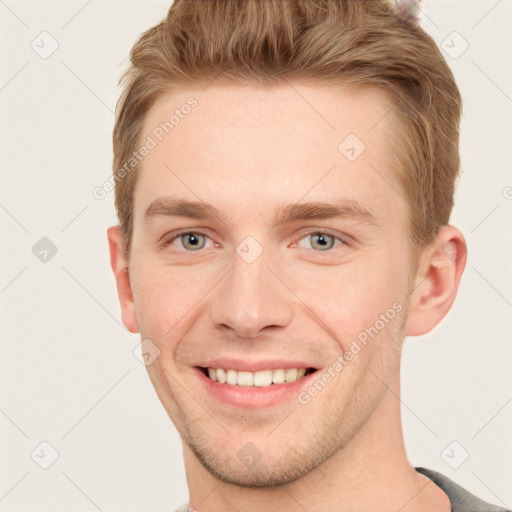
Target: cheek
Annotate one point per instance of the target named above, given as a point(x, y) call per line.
point(349, 298)
point(166, 297)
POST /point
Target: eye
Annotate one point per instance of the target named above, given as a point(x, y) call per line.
point(320, 240)
point(189, 240)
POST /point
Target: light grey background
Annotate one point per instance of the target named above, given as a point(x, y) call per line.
point(68, 373)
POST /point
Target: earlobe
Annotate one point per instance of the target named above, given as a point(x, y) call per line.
point(119, 264)
point(437, 281)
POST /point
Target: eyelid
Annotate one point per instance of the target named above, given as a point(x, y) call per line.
point(173, 235)
point(344, 239)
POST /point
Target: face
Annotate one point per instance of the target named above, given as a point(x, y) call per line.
point(301, 251)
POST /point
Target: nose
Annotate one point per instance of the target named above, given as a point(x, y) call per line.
point(251, 299)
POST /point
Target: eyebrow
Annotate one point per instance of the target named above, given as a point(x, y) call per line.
point(342, 208)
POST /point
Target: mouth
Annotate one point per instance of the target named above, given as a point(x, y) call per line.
point(260, 379)
point(273, 382)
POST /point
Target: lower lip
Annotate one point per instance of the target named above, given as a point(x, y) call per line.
point(252, 396)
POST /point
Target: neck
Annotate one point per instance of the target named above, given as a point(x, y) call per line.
point(371, 474)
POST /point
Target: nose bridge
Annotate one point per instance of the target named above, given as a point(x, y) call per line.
point(251, 297)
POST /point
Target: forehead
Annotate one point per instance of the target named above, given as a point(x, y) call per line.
point(237, 145)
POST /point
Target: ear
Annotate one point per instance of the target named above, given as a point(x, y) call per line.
point(119, 264)
point(436, 282)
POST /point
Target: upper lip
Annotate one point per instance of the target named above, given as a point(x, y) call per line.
point(254, 366)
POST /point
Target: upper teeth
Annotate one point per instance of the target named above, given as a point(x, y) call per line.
point(262, 378)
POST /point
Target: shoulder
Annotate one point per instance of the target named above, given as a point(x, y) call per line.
point(461, 500)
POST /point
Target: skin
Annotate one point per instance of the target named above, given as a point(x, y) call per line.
point(248, 151)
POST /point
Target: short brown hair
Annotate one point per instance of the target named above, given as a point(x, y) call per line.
point(262, 42)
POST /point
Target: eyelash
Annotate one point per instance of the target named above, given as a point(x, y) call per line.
point(309, 233)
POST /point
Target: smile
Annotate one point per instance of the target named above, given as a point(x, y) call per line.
point(262, 378)
point(253, 390)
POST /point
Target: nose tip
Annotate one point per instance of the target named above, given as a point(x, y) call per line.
point(251, 299)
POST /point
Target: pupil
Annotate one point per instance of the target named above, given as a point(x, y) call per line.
point(192, 241)
point(322, 241)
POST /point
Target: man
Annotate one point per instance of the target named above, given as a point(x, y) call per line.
point(284, 176)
